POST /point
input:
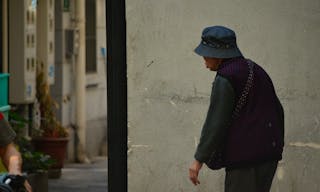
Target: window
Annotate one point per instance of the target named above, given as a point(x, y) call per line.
point(91, 56)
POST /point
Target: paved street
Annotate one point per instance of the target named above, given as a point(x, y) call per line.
point(82, 177)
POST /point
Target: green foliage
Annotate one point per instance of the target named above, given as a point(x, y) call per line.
point(36, 161)
point(33, 161)
point(18, 123)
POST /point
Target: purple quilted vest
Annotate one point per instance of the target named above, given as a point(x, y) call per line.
point(257, 134)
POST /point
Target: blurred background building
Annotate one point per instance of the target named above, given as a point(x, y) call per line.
point(67, 38)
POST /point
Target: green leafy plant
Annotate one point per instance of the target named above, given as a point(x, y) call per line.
point(19, 125)
point(36, 162)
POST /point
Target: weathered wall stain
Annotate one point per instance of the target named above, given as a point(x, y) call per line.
point(308, 145)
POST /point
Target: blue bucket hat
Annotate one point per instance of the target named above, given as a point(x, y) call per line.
point(218, 42)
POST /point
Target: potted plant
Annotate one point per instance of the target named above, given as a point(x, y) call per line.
point(51, 138)
point(36, 166)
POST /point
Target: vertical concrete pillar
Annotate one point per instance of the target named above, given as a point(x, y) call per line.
point(80, 75)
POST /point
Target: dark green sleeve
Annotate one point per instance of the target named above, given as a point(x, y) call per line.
point(6, 133)
point(281, 115)
point(219, 114)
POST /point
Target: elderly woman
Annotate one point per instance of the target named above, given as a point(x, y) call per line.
point(244, 128)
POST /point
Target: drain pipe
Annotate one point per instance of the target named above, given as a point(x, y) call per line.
point(80, 77)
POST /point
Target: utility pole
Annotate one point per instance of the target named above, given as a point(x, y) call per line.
point(117, 96)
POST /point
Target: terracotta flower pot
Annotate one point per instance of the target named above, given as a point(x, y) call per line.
point(55, 147)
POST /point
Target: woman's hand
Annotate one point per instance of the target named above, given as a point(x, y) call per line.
point(27, 186)
point(194, 172)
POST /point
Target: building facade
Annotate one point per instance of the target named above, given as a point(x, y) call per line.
point(47, 33)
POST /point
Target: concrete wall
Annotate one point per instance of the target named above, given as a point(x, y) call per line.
point(169, 86)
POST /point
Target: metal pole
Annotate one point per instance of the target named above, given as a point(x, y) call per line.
point(117, 96)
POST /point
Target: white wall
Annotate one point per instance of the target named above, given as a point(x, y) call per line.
point(169, 87)
point(96, 96)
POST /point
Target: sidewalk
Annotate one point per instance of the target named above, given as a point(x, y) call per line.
point(82, 177)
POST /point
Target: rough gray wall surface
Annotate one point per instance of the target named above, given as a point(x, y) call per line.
point(169, 86)
point(96, 137)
